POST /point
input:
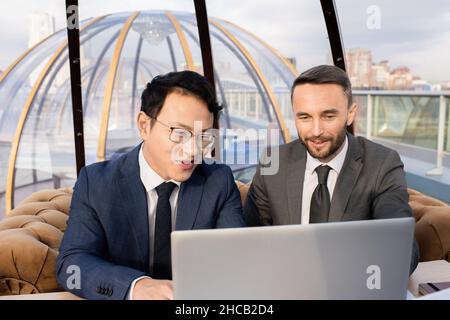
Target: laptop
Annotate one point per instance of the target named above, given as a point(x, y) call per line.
point(342, 260)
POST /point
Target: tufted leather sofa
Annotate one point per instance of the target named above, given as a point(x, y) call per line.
point(29, 242)
point(31, 234)
point(432, 226)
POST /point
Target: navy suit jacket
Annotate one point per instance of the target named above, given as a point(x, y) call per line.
point(107, 235)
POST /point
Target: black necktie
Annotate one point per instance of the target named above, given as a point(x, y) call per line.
point(162, 268)
point(320, 201)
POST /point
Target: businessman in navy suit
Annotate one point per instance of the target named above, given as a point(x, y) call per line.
point(122, 211)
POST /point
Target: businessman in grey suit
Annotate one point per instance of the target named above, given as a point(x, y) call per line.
point(328, 175)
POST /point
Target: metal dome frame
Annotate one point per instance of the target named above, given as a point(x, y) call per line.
point(73, 45)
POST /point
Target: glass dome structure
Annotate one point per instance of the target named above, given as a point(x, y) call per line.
point(120, 53)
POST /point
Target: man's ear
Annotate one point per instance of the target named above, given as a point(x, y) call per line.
point(352, 113)
point(143, 124)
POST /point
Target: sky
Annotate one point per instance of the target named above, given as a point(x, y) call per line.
point(411, 33)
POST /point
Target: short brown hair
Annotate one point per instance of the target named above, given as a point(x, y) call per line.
point(325, 74)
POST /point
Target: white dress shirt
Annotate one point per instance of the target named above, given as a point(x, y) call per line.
point(151, 180)
point(311, 181)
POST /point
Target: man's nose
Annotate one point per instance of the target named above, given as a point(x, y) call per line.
point(191, 148)
point(317, 127)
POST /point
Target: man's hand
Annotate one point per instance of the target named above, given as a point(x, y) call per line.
point(152, 289)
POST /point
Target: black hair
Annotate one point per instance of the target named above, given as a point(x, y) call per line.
point(325, 74)
point(184, 82)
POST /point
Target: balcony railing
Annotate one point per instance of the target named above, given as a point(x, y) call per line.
point(418, 118)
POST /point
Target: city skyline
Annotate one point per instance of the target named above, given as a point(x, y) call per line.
point(366, 73)
point(424, 48)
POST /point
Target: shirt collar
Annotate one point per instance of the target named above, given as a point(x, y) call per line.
point(149, 177)
point(336, 163)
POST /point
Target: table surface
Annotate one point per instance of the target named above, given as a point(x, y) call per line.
point(430, 271)
point(43, 296)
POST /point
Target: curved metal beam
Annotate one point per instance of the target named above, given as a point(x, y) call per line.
point(94, 72)
point(22, 56)
point(110, 80)
point(147, 68)
point(219, 83)
point(64, 101)
point(16, 86)
point(23, 117)
point(172, 54)
point(286, 77)
point(58, 68)
point(61, 112)
point(2, 119)
point(8, 70)
point(250, 71)
point(134, 85)
point(247, 67)
point(267, 88)
point(285, 61)
point(184, 44)
point(41, 107)
point(141, 75)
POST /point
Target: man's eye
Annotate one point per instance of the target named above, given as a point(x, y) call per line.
point(180, 135)
point(207, 137)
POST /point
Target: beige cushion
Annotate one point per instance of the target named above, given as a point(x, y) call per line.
point(29, 242)
point(432, 226)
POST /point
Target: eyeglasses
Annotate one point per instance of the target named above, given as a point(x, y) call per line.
point(180, 135)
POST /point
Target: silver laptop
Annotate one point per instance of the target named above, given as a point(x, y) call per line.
point(344, 260)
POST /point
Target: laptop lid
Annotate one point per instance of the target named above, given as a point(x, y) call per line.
point(344, 260)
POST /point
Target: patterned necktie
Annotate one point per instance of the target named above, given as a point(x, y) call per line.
point(320, 201)
point(162, 267)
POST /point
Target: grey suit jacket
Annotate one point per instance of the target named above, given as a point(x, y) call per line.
point(371, 185)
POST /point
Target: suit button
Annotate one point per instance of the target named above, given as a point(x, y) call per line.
point(99, 290)
point(110, 292)
point(104, 291)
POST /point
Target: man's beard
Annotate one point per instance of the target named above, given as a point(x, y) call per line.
point(325, 153)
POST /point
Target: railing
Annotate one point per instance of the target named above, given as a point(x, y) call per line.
point(419, 118)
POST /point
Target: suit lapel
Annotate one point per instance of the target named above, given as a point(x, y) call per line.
point(189, 199)
point(134, 202)
point(346, 180)
point(295, 178)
